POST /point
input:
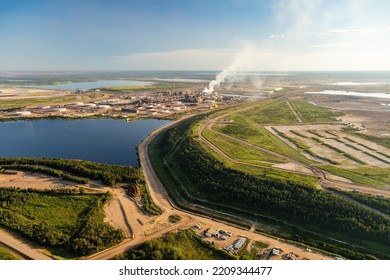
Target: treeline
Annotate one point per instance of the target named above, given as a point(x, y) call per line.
point(291, 201)
point(182, 245)
point(109, 174)
point(81, 171)
point(48, 171)
point(92, 235)
point(380, 203)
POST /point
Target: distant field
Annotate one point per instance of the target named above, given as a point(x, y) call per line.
point(239, 150)
point(274, 113)
point(20, 103)
point(31, 102)
point(370, 176)
point(158, 86)
point(260, 136)
point(314, 114)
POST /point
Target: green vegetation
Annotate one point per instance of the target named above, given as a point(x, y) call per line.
point(261, 137)
point(383, 141)
point(302, 146)
point(316, 133)
point(274, 113)
point(6, 255)
point(370, 176)
point(314, 114)
point(174, 219)
point(376, 157)
point(81, 171)
point(201, 177)
point(156, 86)
point(380, 203)
point(238, 150)
point(30, 102)
point(349, 156)
point(73, 221)
point(182, 245)
point(252, 252)
point(298, 133)
point(21, 103)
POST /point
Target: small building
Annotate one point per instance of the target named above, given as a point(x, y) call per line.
point(239, 243)
point(210, 232)
point(275, 252)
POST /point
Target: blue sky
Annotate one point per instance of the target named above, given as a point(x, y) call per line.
point(281, 35)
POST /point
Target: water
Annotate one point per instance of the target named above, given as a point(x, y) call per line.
point(91, 85)
point(353, 93)
point(99, 140)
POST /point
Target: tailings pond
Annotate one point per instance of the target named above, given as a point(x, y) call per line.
point(99, 140)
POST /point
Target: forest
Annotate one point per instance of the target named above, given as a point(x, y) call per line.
point(73, 222)
point(181, 245)
point(294, 202)
point(82, 171)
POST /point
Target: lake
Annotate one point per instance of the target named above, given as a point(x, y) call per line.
point(99, 140)
point(353, 93)
point(91, 85)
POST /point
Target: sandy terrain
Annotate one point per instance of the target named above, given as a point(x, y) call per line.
point(360, 152)
point(20, 93)
point(25, 180)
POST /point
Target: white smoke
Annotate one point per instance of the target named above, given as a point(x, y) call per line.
point(237, 71)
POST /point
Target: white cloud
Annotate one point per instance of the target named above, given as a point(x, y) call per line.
point(357, 31)
point(333, 45)
point(275, 36)
point(185, 59)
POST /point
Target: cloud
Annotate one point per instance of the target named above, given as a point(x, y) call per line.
point(333, 45)
point(275, 36)
point(356, 31)
point(184, 59)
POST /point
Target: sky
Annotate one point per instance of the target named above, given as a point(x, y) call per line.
point(267, 35)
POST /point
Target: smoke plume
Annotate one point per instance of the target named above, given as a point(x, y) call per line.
point(237, 71)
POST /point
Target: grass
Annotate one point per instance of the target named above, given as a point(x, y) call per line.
point(253, 251)
point(64, 212)
point(6, 255)
point(298, 133)
point(314, 114)
point(70, 224)
point(156, 86)
point(370, 176)
point(261, 137)
point(276, 113)
point(238, 150)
